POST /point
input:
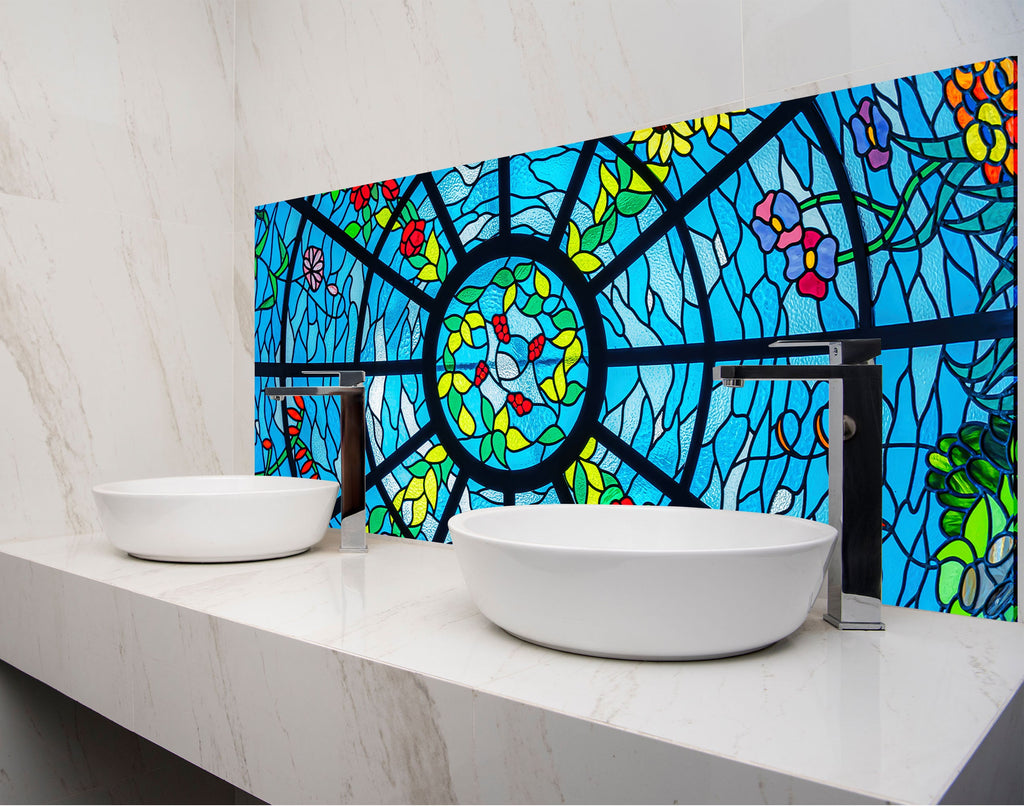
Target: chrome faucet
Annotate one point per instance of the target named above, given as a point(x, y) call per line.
point(351, 478)
point(854, 598)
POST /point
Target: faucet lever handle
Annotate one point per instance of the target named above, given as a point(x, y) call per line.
point(840, 351)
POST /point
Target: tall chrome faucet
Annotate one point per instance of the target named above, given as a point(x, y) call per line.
point(351, 478)
point(854, 468)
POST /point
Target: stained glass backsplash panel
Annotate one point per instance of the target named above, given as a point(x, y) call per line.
point(542, 327)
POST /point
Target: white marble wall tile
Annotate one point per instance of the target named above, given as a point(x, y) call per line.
point(115, 336)
point(119, 105)
point(803, 47)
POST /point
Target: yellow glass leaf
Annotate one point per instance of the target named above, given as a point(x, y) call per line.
point(430, 488)
point(399, 499)
point(461, 382)
point(437, 454)
point(659, 170)
point(541, 283)
point(548, 388)
point(501, 420)
point(466, 333)
point(467, 425)
point(454, 342)
point(601, 206)
point(564, 338)
point(382, 217)
point(428, 273)
point(570, 474)
point(586, 262)
point(419, 511)
point(444, 384)
point(433, 249)
point(415, 488)
point(516, 441)
point(573, 353)
point(474, 319)
point(560, 380)
point(593, 475)
point(510, 297)
point(573, 246)
point(593, 496)
point(608, 180)
point(589, 448)
point(636, 183)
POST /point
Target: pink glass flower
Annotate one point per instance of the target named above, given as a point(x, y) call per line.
point(313, 266)
point(777, 221)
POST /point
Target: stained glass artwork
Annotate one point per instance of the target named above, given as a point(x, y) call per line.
point(542, 327)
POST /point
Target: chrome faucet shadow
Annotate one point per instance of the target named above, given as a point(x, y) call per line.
point(854, 596)
point(350, 467)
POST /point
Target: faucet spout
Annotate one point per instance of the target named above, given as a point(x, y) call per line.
point(350, 391)
point(854, 593)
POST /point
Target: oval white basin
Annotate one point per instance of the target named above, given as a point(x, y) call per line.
point(210, 519)
point(645, 583)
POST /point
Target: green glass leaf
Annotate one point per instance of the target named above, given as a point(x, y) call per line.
point(376, 519)
point(579, 487)
point(504, 278)
point(499, 447)
point(453, 323)
point(486, 448)
point(982, 472)
point(949, 581)
point(469, 294)
point(945, 443)
point(454, 400)
point(935, 481)
point(970, 435)
point(993, 217)
point(409, 212)
point(610, 494)
point(533, 305)
point(599, 233)
point(419, 468)
point(951, 522)
point(959, 455)
point(365, 213)
point(283, 249)
point(487, 413)
point(365, 230)
point(953, 501)
point(448, 359)
point(564, 320)
point(572, 392)
point(1008, 496)
point(442, 265)
point(522, 271)
point(624, 171)
point(630, 203)
point(960, 484)
point(352, 229)
point(417, 261)
point(334, 195)
point(551, 435)
point(939, 462)
point(978, 526)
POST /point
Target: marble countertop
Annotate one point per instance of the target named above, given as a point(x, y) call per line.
point(238, 667)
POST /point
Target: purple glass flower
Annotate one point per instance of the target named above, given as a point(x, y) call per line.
point(777, 221)
point(313, 266)
point(811, 263)
point(871, 134)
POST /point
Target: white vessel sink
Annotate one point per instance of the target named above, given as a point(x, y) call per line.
point(645, 583)
point(210, 519)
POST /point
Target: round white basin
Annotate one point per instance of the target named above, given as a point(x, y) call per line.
point(646, 583)
point(209, 519)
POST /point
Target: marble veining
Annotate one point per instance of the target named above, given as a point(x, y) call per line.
point(373, 678)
